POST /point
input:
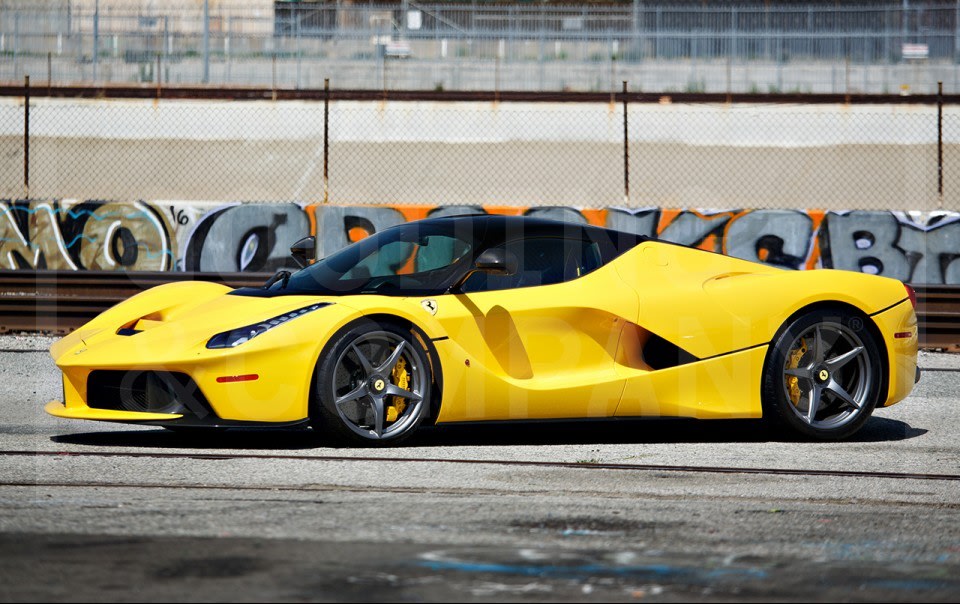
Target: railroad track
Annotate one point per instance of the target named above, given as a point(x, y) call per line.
point(938, 312)
point(60, 301)
point(588, 466)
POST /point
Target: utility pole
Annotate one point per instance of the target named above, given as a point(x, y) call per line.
point(26, 137)
point(96, 37)
point(206, 41)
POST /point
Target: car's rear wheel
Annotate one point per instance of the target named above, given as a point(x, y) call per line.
point(372, 385)
point(823, 374)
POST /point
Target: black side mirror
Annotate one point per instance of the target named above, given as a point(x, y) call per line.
point(304, 251)
point(496, 261)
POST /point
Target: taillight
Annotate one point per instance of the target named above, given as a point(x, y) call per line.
point(912, 295)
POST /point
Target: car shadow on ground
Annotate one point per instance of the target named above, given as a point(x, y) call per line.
point(641, 431)
point(659, 431)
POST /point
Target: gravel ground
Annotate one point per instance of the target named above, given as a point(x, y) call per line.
point(126, 513)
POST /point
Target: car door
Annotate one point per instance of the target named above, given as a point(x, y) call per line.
point(541, 342)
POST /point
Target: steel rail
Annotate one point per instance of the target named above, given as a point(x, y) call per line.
point(61, 301)
point(938, 316)
point(243, 93)
point(495, 462)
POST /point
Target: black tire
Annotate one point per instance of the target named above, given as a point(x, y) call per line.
point(841, 377)
point(372, 385)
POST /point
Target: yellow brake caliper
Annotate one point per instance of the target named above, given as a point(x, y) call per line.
point(401, 378)
point(793, 382)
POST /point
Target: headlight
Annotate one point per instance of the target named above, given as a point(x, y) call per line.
point(236, 337)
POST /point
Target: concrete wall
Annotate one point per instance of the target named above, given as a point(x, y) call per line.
point(226, 237)
point(832, 157)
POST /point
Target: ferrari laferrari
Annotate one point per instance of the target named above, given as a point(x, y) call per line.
point(491, 318)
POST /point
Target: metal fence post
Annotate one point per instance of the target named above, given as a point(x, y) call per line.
point(734, 45)
point(940, 145)
point(378, 58)
point(166, 44)
point(319, 250)
point(656, 40)
point(729, 76)
point(206, 41)
point(226, 48)
point(496, 73)
point(296, 11)
point(326, 139)
point(26, 137)
point(96, 38)
point(956, 34)
point(540, 49)
point(626, 150)
point(613, 67)
point(16, 44)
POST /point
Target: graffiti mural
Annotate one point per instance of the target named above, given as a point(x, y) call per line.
point(255, 237)
point(91, 235)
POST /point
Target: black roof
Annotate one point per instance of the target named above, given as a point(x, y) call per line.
point(481, 230)
point(491, 228)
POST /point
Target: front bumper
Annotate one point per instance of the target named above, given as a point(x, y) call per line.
point(280, 394)
point(281, 360)
point(58, 409)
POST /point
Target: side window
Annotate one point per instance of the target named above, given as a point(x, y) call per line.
point(541, 261)
point(383, 261)
point(430, 253)
point(590, 258)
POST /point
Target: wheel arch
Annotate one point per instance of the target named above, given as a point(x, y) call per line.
point(436, 370)
point(868, 322)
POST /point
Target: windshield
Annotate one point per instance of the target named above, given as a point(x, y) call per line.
point(410, 259)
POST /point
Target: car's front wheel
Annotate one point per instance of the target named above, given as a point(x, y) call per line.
point(372, 385)
point(823, 374)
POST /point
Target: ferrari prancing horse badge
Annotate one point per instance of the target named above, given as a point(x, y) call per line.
point(429, 305)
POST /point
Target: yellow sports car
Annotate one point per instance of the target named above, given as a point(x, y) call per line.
point(478, 318)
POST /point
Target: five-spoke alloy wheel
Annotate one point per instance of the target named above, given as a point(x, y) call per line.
point(372, 385)
point(822, 375)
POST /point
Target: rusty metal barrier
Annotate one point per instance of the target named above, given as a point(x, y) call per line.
point(247, 93)
point(60, 301)
point(938, 313)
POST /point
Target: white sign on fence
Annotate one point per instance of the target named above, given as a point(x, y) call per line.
point(915, 51)
point(414, 19)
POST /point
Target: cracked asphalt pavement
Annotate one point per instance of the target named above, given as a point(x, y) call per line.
point(654, 510)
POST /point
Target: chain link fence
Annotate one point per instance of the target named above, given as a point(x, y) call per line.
point(833, 157)
point(665, 47)
point(829, 156)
